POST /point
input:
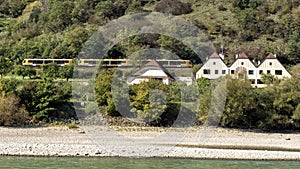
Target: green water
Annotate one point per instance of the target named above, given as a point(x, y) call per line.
point(132, 163)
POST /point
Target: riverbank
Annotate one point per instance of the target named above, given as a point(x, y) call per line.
point(202, 143)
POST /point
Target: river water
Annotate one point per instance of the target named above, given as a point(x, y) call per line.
point(137, 163)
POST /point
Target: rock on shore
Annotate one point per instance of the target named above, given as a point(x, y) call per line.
point(205, 143)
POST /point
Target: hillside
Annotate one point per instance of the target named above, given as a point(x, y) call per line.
point(57, 29)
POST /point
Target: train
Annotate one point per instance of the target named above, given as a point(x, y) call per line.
point(104, 62)
point(40, 62)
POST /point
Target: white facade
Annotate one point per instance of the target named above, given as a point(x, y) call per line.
point(213, 68)
point(271, 65)
point(243, 65)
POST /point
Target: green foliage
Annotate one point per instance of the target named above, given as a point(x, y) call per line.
point(12, 8)
point(46, 100)
point(239, 104)
point(149, 100)
point(204, 86)
point(24, 71)
point(103, 94)
point(8, 86)
point(242, 4)
point(50, 71)
point(5, 65)
point(57, 29)
point(66, 72)
point(269, 79)
point(60, 17)
point(175, 7)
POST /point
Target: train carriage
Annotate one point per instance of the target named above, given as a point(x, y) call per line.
point(40, 62)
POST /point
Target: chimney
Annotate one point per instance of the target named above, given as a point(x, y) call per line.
point(206, 58)
point(258, 63)
point(236, 56)
point(275, 55)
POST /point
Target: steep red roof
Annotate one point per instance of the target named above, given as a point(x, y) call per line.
point(243, 56)
point(271, 56)
point(215, 56)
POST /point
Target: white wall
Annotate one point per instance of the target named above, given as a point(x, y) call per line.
point(213, 65)
point(272, 65)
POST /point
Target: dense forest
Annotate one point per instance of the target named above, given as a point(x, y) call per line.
point(59, 29)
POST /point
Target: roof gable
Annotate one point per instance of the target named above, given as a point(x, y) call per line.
point(214, 56)
point(242, 56)
point(153, 65)
point(271, 56)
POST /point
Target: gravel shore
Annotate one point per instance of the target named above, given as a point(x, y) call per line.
point(204, 143)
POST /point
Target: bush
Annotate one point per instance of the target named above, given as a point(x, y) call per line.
point(222, 8)
point(11, 112)
point(174, 7)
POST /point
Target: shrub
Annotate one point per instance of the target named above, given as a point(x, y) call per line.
point(174, 7)
point(11, 112)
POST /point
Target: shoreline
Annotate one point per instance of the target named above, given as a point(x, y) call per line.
point(208, 144)
point(163, 157)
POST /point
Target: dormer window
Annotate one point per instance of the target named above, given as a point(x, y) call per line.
point(270, 63)
point(242, 63)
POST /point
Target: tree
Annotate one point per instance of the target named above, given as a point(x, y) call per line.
point(50, 71)
point(24, 71)
point(239, 104)
point(149, 100)
point(67, 72)
point(60, 15)
point(5, 65)
point(8, 86)
point(103, 94)
point(46, 100)
point(269, 79)
point(12, 8)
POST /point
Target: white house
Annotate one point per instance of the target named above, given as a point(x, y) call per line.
point(243, 66)
point(152, 70)
point(271, 65)
point(213, 68)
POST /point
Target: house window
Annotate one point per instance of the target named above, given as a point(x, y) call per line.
point(270, 63)
point(259, 81)
point(252, 81)
point(214, 63)
point(232, 72)
point(158, 79)
point(261, 72)
point(223, 72)
point(206, 71)
point(216, 72)
point(242, 63)
point(251, 72)
point(268, 71)
point(278, 72)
